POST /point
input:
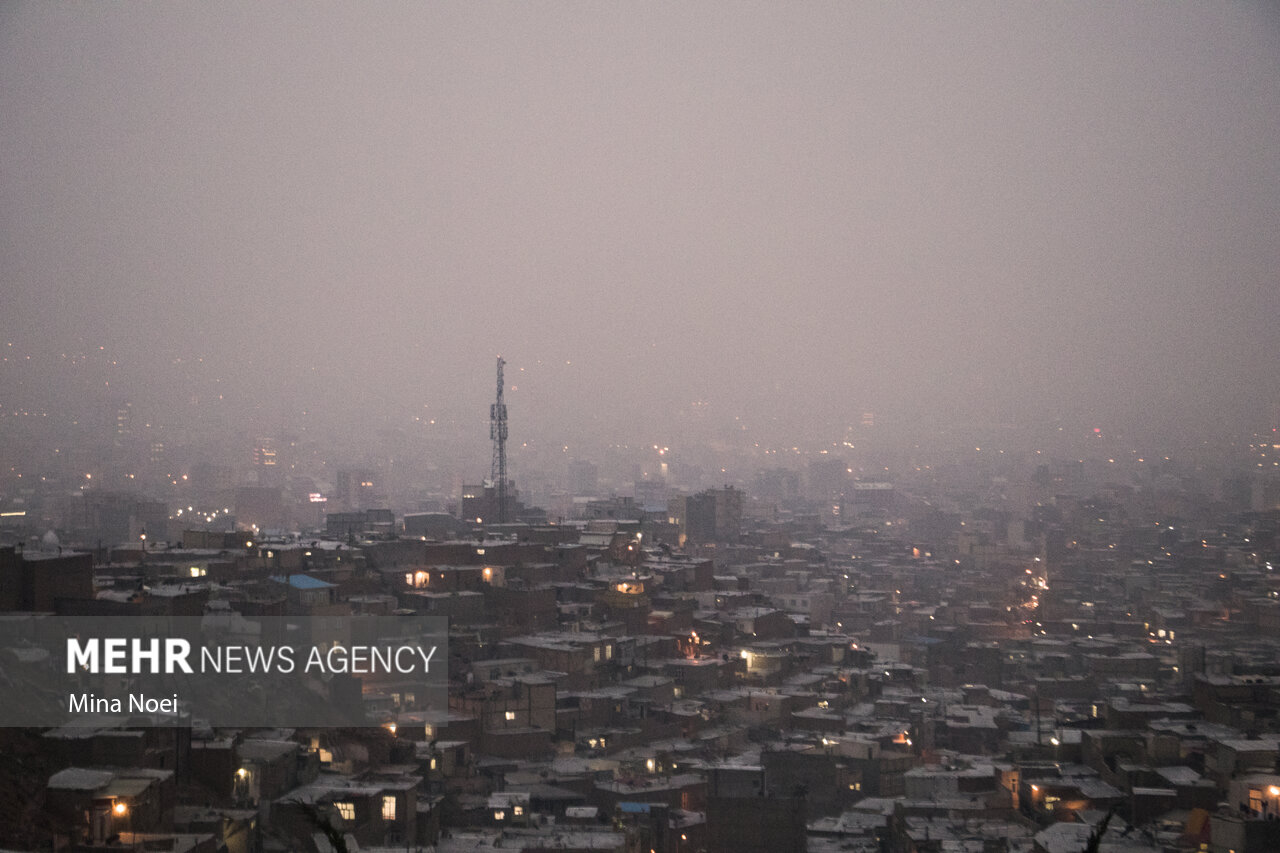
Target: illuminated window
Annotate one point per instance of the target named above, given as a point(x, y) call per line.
point(347, 811)
point(597, 651)
point(499, 815)
point(517, 810)
point(608, 652)
point(511, 715)
point(388, 808)
point(433, 764)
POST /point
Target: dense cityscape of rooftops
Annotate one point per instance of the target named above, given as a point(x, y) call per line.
point(884, 453)
point(861, 647)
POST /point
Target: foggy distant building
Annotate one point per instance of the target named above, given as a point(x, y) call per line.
point(260, 506)
point(152, 518)
point(714, 515)
point(102, 517)
point(866, 496)
point(651, 495)
point(265, 454)
point(270, 461)
point(777, 484)
point(828, 477)
point(700, 518)
point(212, 482)
point(606, 508)
point(114, 518)
point(361, 522)
point(358, 489)
point(584, 477)
point(122, 423)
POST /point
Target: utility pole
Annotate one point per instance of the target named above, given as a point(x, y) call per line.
point(498, 433)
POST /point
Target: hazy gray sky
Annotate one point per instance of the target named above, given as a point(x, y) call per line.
point(999, 211)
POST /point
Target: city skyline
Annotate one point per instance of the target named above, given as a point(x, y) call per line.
point(883, 457)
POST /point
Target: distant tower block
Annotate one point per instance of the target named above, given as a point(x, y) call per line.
point(498, 433)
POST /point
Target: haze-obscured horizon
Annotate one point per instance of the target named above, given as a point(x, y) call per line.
point(673, 220)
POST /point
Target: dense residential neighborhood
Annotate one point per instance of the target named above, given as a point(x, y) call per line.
point(458, 426)
point(958, 662)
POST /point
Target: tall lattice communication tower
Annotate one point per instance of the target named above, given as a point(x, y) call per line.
point(498, 433)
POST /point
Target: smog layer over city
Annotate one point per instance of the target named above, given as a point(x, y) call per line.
point(772, 426)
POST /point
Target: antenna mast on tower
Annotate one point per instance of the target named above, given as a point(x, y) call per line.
point(498, 432)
